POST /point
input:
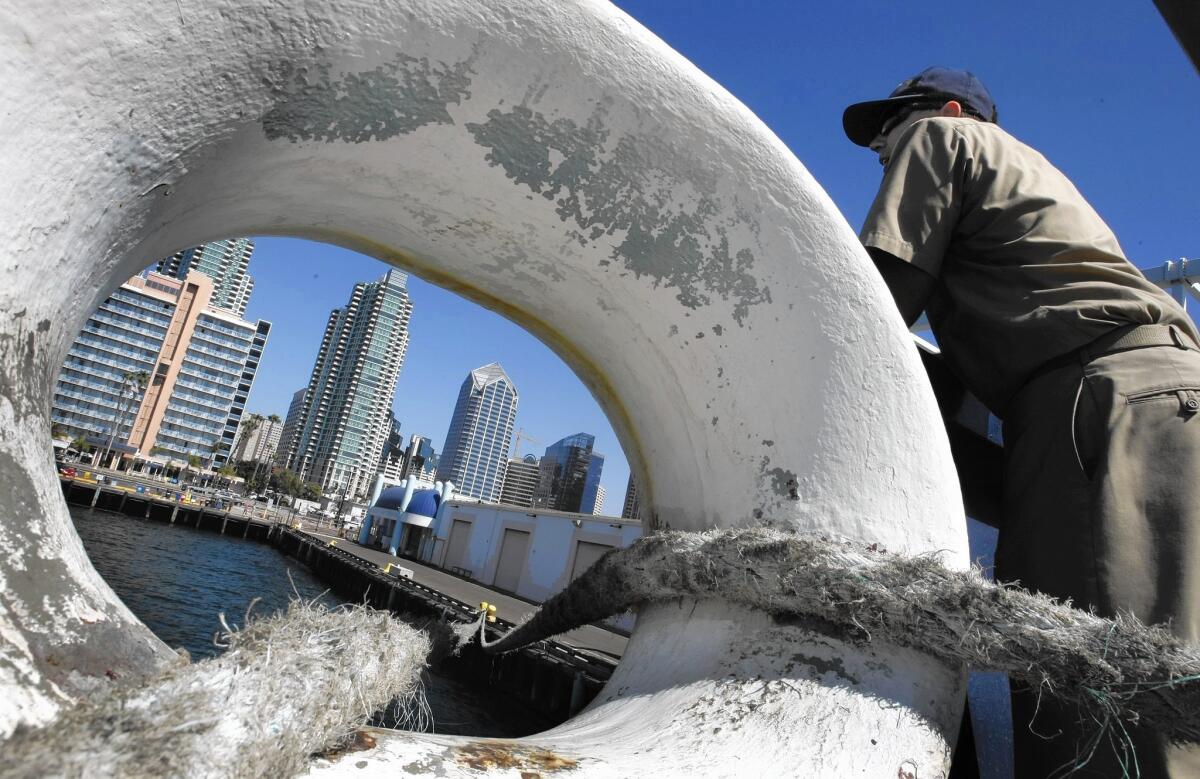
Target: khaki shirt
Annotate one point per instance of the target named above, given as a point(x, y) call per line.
point(1026, 270)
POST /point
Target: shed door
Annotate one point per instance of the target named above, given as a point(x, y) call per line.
point(514, 550)
point(587, 553)
point(456, 547)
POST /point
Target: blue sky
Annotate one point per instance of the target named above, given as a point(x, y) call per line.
point(1100, 88)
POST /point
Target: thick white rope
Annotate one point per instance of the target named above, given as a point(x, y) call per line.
point(1118, 669)
point(287, 687)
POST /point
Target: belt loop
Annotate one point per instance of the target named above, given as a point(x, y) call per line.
point(1177, 337)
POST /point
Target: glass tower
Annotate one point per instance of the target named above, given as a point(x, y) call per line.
point(569, 475)
point(225, 262)
point(476, 448)
point(347, 412)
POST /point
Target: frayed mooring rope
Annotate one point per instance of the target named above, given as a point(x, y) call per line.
point(1118, 669)
point(286, 687)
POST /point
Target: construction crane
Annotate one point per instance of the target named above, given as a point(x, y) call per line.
point(518, 437)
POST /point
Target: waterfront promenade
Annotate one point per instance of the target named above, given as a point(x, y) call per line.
point(120, 494)
point(588, 639)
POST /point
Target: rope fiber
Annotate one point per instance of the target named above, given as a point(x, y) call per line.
point(287, 687)
point(1119, 670)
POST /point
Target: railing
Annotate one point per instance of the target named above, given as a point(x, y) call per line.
point(143, 364)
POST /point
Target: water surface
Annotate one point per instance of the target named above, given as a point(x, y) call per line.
point(178, 580)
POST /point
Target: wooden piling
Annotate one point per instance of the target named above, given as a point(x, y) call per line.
point(576, 702)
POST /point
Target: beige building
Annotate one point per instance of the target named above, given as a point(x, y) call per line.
point(158, 371)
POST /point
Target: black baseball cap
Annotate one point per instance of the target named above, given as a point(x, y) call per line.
point(862, 121)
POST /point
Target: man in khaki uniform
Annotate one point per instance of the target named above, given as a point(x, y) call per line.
point(1095, 372)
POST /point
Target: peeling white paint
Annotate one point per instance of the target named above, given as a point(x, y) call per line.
point(632, 206)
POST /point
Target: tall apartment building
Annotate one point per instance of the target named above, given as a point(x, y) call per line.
point(598, 509)
point(291, 423)
point(632, 508)
point(225, 262)
point(520, 481)
point(569, 475)
point(257, 445)
point(198, 362)
point(477, 442)
point(347, 409)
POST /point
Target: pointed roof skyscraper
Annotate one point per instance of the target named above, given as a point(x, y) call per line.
point(476, 447)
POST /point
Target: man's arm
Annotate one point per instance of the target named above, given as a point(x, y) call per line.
point(910, 286)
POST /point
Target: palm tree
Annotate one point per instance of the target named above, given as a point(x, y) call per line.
point(251, 423)
point(193, 464)
point(213, 450)
point(133, 383)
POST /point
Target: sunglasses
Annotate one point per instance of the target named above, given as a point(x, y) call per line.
point(894, 120)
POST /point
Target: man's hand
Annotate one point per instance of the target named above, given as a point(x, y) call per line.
point(910, 286)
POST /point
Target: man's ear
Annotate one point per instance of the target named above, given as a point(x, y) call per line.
point(952, 108)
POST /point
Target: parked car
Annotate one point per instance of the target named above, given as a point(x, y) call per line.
point(67, 471)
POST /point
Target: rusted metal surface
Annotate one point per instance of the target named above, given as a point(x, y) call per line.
point(486, 755)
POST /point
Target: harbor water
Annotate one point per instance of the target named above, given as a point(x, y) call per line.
point(178, 580)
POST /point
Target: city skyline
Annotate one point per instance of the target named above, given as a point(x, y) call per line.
point(448, 337)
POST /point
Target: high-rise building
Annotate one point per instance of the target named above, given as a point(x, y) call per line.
point(291, 423)
point(259, 444)
point(569, 475)
point(477, 441)
point(598, 509)
point(632, 508)
point(391, 458)
point(347, 409)
point(195, 363)
point(420, 459)
point(225, 262)
point(520, 481)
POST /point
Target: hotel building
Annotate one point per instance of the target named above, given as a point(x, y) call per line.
point(198, 362)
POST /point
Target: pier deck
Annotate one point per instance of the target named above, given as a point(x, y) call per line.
point(589, 638)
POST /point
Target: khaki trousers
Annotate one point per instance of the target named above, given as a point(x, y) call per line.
point(1102, 506)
